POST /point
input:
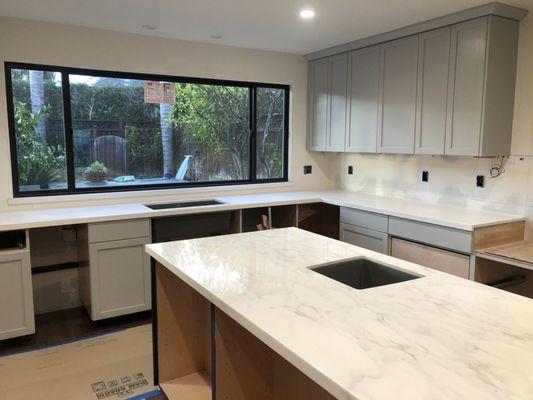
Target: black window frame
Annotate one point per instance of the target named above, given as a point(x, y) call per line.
point(69, 149)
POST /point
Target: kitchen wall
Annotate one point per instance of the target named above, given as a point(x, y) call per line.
point(452, 179)
point(55, 44)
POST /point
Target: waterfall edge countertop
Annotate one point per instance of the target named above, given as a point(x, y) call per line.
point(436, 337)
point(444, 215)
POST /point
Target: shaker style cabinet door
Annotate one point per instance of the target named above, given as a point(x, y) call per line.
point(120, 278)
point(399, 65)
point(433, 66)
point(363, 100)
point(327, 121)
point(16, 296)
point(319, 104)
point(465, 95)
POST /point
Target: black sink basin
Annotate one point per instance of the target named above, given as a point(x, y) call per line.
point(362, 273)
point(184, 204)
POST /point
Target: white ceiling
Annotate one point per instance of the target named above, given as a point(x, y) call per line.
point(258, 24)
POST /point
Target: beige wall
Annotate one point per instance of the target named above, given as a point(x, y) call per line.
point(35, 42)
point(452, 179)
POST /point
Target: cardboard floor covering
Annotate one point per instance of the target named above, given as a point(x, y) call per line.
point(113, 366)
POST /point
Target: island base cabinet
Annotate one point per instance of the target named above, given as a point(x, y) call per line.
point(246, 368)
point(200, 353)
point(16, 297)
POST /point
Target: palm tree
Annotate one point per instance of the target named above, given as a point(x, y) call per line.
point(37, 99)
point(166, 139)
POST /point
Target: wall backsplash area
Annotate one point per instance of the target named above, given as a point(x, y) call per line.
point(452, 180)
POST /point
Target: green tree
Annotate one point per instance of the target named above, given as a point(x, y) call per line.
point(217, 118)
point(38, 162)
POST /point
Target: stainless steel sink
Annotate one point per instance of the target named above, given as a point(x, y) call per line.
point(184, 204)
point(362, 273)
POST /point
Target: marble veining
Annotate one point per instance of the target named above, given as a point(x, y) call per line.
point(449, 216)
point(438, 337)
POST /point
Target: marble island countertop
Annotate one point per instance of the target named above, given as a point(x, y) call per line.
point(437, 337)
point(449, 216)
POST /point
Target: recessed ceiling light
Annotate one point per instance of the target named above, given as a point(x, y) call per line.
point(149, 27)
point(216, 36)
point(307, 14)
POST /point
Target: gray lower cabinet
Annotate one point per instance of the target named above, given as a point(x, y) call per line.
point(363, 100)
point(363, 237)
point(397, 122)
point(327, 105)
point(433, 65)
point(115, 279)
point(16, 296)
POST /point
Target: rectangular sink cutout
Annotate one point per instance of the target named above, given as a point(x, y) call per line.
point(362, 273)
point(184, 204)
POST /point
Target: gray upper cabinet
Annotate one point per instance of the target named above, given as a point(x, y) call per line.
point(319, 78)
point(433, 66)
point(327, 105)
point(481, 89)
point(465, 102)
point(446, 91)
point(363, 100)
point(399, 66)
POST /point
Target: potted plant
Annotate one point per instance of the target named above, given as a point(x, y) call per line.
point(96, 172)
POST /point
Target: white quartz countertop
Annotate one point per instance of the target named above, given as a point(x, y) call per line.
point(453, 217)
point(438, 337)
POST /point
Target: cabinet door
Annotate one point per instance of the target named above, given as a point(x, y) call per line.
point(432, 257)
point(319, 105)
point(16, 296)
point(433, 67)
point(366, 238)
point(337, 117)
point(363, 100)
point(465, 96)
point(120, 278)
point(399, 64)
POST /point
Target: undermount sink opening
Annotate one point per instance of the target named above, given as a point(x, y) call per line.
point(363, 273)
point(184, 204)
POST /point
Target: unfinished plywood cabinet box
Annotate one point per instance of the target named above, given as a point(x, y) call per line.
point(202, 353)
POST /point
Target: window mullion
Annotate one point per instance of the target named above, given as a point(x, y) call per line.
point(69, 133)
point(253, 134)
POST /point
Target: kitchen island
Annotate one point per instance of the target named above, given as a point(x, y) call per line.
point(244, 317)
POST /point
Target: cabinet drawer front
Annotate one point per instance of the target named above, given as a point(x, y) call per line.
point(366, 238)
point(441, 260)
point(365, 219)
point(119, 230)
point(440, 236)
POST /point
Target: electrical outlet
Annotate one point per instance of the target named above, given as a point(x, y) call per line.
point(480, 181)
point(425, 176)
point(308, 169)
point(350, 169)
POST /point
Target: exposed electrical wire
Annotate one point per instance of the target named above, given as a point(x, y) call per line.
point(497, 169)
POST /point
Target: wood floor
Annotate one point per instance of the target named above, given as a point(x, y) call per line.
point(68, 325)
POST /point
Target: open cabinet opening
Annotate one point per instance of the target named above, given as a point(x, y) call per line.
point(183, 339)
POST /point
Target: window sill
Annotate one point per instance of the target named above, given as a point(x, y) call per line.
point(145, 194)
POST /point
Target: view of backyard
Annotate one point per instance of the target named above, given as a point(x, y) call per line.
point(119, 138)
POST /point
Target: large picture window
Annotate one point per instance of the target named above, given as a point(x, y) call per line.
point(76, 131)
